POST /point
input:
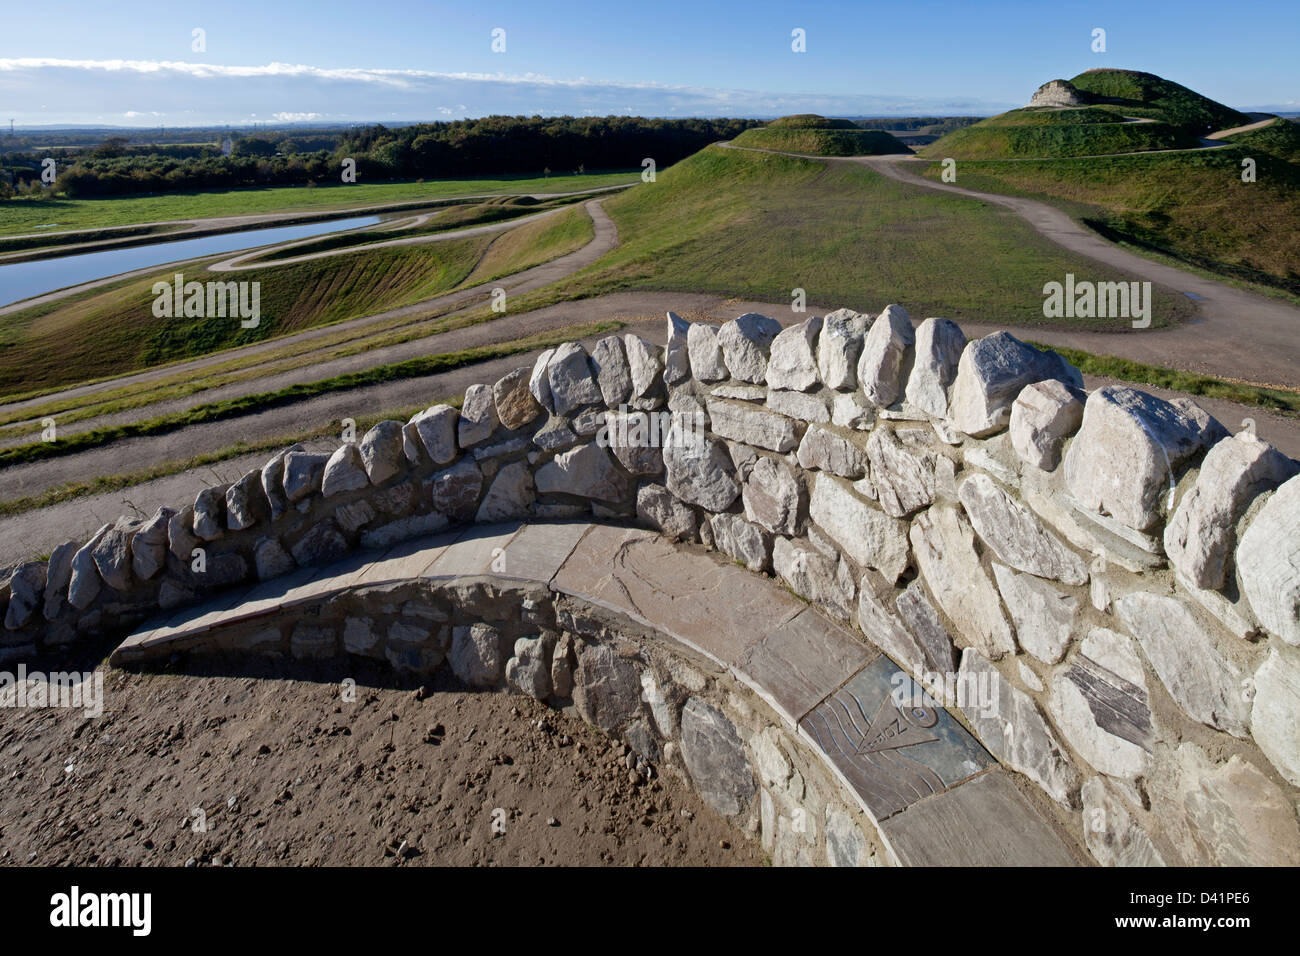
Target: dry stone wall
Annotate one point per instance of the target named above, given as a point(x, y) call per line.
point(679, 713)
point(1105, 585)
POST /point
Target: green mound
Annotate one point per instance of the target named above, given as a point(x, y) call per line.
point(1003, 138)
point(821, 142)
point(1150, 96)
point(1054, 117)
point(1125, 111)
point(810, 121)
point(1280, 139)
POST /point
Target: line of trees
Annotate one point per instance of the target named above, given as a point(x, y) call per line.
point(492, 145)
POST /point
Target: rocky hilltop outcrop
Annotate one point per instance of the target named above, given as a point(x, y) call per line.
point(1057, 93)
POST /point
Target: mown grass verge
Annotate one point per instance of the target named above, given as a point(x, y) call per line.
point(247, 404)
point(23, 215)
point(107, 483)
point(1139, 373)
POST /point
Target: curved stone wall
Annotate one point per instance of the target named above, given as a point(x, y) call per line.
point(679, 712)
point(1105, 586)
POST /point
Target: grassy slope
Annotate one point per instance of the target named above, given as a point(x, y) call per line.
point(114, 330)
point(446, 220)
point(1022, 134)
point(822, 142)
point(1280, 139)
point(1193, 207)
point(20, 215)
point(301, 295)
point(760, 225)
point(1052, 117)
point(1145, 94)
point(810, 121)
point(534, 243)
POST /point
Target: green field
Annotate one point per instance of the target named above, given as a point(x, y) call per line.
point(23, 215)
point(759, 225)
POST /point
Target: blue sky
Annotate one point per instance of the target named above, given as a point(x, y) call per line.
point(132, 63)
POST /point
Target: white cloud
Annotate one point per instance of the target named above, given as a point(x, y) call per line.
point(218, 94)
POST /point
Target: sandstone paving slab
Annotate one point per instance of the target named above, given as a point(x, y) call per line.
point(178, 626)
point(330, 579)
point(538, 551)
point(795, 665)
point(407, 559)
point(701, 600)
point(892, 756)
point(303, 586)
point(983, 822)
point(474, 551)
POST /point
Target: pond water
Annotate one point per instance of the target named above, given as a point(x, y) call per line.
point(22, 280)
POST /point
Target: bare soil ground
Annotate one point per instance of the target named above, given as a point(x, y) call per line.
point(286, 772)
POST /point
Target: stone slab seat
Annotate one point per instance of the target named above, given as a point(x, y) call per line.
point(933, 792)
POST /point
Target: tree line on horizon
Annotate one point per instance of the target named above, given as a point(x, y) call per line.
point(492, 145)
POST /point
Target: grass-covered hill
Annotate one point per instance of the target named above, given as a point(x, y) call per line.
point(1153, 97)
point(755, 225)
point(1280, 139)
point(1190, 206)
point(809, 121)
point(1123, 111)
point(816, 135)
point(1048, 133)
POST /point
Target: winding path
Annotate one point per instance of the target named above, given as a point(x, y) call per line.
point(199, 227)
point(1240, 335)
point(464, 233)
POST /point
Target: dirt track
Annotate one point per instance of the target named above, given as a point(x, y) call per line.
point(266, 764)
